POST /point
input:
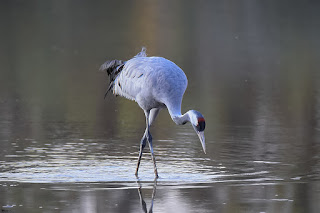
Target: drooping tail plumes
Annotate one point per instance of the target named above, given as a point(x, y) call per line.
point(113, 68)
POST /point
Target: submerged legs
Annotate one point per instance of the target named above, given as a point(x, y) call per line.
point(147, 136)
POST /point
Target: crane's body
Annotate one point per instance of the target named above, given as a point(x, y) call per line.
point(154, 83)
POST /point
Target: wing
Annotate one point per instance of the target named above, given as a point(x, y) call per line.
point(132, 79)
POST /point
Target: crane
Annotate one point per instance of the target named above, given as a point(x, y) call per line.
point(154, 83)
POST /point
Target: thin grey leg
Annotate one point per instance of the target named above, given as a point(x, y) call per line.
point(142, 145)
point(152, 155)
point(147, 136)
point(153, 114)
point(143, 140)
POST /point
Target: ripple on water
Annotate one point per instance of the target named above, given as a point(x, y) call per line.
point(88, 161)
point(121, 169)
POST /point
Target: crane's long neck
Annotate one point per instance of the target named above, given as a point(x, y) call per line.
point(181, 119)
point(178, 118)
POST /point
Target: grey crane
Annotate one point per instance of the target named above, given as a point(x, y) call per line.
point(154, 83)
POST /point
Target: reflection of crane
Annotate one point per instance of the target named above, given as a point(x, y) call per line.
point(154, 83)
point(143, 203)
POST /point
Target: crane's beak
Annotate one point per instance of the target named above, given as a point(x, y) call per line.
point(202, 140)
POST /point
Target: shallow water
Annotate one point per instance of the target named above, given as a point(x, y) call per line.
point(253, 72)
point(97, 175)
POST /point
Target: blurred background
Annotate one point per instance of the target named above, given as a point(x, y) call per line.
point(253, 71)
point(247, 62)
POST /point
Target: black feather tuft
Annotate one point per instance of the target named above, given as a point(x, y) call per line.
point(113, 68)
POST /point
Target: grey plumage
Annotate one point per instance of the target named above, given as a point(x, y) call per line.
point(154, 83)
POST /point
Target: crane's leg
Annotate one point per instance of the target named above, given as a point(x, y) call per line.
point(143, 140)
point(142, 145)
point(153, 114)
point(147, 136)
point(152, 154)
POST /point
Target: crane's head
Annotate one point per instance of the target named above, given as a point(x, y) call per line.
point(198, 123)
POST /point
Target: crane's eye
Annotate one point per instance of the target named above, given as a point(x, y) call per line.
point(201, 124)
